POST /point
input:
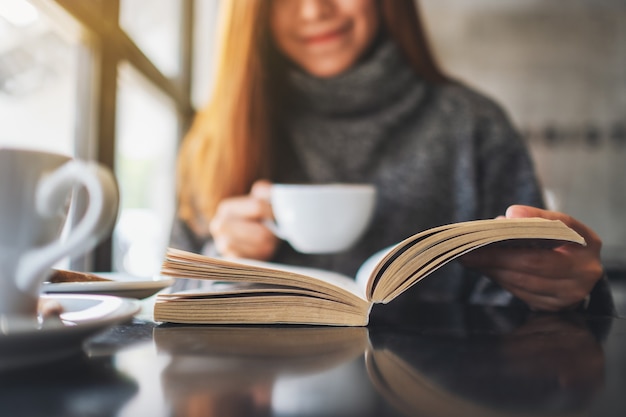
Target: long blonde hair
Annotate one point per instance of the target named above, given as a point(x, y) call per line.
point(229, 145)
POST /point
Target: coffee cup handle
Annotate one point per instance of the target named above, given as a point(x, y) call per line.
point(50, 198)
point(270, 224)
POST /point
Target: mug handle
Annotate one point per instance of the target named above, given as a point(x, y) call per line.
point(50, 197)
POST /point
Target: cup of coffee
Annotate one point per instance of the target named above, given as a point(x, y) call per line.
point(321, 218)
point(35, 194)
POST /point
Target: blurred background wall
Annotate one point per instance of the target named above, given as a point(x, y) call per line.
point(559, 68)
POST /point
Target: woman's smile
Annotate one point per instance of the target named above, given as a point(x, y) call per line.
point(324, 37)
point(327, 38)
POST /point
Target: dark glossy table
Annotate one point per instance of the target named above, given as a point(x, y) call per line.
point(439, 360)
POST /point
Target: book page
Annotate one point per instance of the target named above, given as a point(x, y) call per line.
point(367, 268)
point(335, 278)
point(182, 264)
point(415, 257)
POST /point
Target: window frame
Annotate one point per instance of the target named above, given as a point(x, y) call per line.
point(103, 46)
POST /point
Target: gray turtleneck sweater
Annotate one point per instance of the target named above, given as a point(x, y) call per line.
point(437, 154)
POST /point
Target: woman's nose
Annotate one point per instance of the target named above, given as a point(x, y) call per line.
point(315, 9)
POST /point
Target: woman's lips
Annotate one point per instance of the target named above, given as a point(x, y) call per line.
point(325, 37)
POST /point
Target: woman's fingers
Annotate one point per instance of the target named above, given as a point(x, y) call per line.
point(245, 239)
point(237, 227)
point(591, 237)
point(545, 262)
point(261, 190)
point(246, 207)
point(540, 293)
point(546, 279)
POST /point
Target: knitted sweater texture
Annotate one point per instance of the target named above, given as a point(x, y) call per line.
point(436, 153)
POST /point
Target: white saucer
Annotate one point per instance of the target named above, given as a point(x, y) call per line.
point(121, 285)
point(28, 341)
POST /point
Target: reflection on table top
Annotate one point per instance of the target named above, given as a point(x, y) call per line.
point(443, 360)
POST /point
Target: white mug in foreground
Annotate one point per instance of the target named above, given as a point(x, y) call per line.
point(35, 189)
point(322, 218)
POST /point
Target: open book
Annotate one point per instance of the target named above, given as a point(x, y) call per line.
point(253, 292)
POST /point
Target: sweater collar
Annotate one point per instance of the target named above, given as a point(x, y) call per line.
point(378, 79)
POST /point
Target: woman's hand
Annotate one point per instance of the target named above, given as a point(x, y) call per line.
point(237, 227)
point(546, 279)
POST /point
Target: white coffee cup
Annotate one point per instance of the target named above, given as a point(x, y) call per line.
point(35, 191)
point(321, 218)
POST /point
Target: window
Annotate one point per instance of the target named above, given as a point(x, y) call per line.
point(144, 157)
point(38, 64)
point(108, 80)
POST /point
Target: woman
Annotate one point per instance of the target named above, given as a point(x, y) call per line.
point(348, 91)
